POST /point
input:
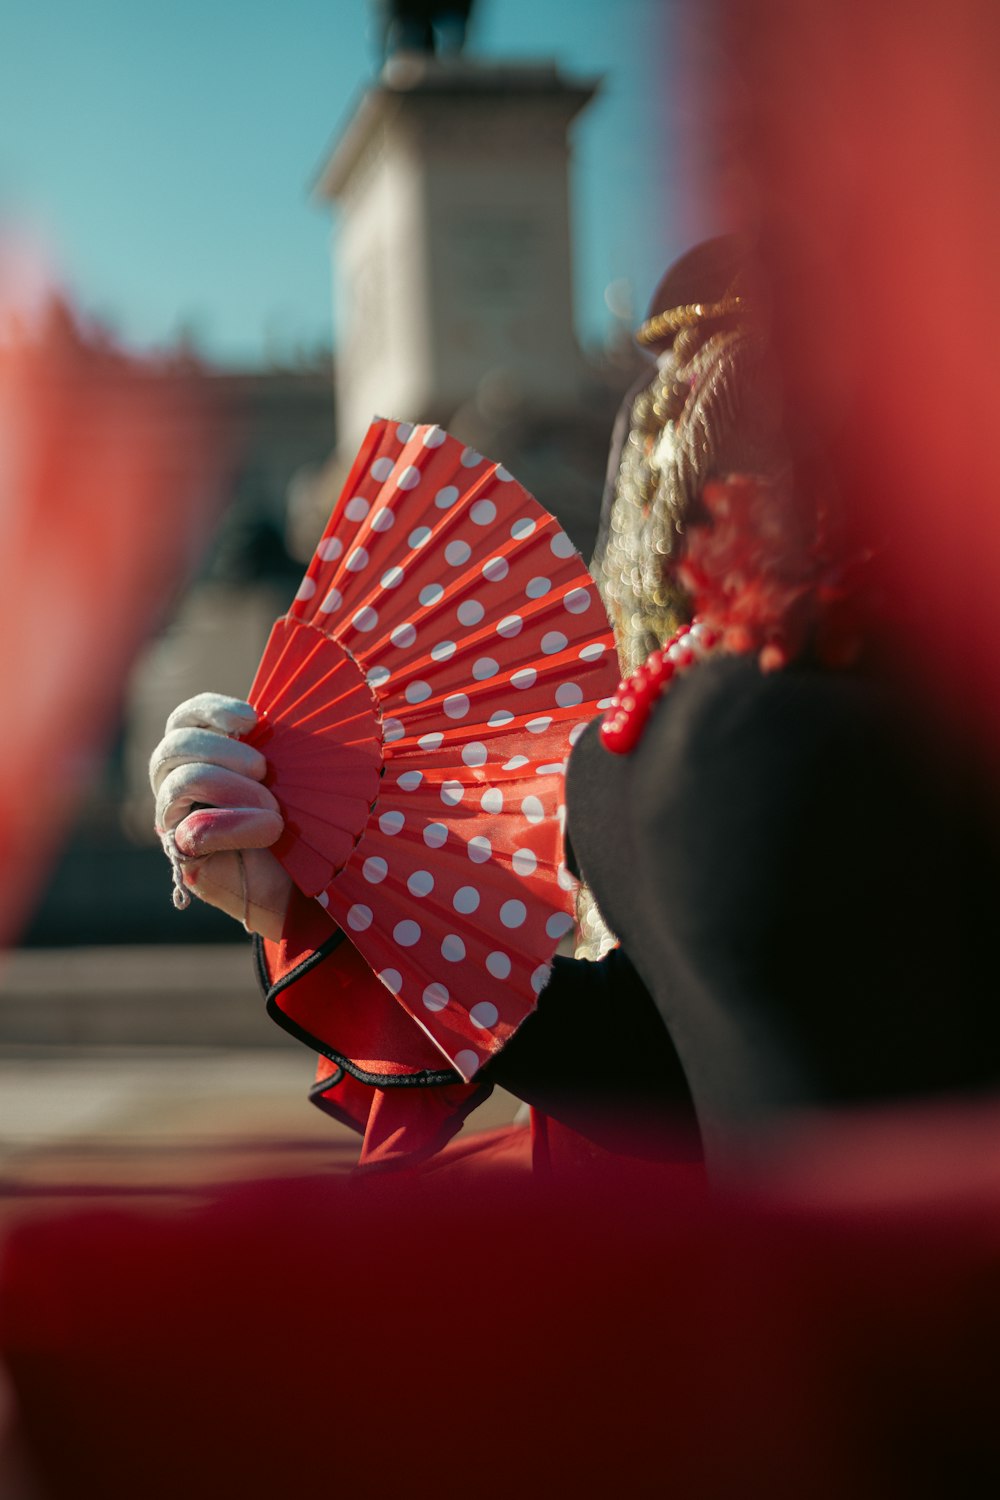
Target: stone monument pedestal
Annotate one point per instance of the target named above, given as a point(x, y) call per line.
point(453, 253)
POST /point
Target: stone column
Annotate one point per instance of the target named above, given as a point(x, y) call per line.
point(453, 257)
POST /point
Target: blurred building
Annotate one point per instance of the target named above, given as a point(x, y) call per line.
point(111, 884)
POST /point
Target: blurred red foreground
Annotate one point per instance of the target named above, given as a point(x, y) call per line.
point(831, 1333)
point(861, 144)
point(109, 470)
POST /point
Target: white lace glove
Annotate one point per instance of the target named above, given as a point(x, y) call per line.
point(214, 818)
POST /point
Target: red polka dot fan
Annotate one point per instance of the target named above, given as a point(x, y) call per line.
point(417, 705)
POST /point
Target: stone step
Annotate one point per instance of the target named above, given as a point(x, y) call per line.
point(198, 995)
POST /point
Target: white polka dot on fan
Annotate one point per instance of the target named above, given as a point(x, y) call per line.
point(504, 475)
point(474, 753)
point(417, 692)
point(551, 768)
point(457, 553)
point(479, 849)
point(357, 560)
point(498, 964)
point(381, 469)
point(569, 694)
point(419, 537)
point(524, 861)
point(467, 1062)
point(577, 601)
point(466, 899)
point(456, 705)
point(435, 834)
point(540, 978)
point(378, 677)
point(559, 924)
point(470, 458)
point(359, 917)
point(420, 883)
point(409, 780)
point(358, 508)
point(537, 588)
point(485, 667)
point(575, 733)
point(593, 652)
point(533, 809)
point(470, 612)
point(430, 594)
point(406, 933)
point(333, 600)
point(374, 869)
point(484, 1015)
point(409, 479)
point(524, 678)
point(509, 626)
point(452, 793)
point(383, 519)
point(500, 719)
point(453, 948)
point(513, 913)
point(445, 499)
point(436, 996)
point(404, 431)
point(496, 569)
point(392, 730)
point(515, 763)
point(392, 979)
point(366, 619)
point(443, 651)
point(539, 725)
point(492, 801)
point(306, 589)
point(433, 437)
point(391, 822)
point(431, 741)
point(330, 548)
point(561, 546)
point(392, 578)
point(553, 641)
point(522, 529)
point(483, 513)
point(324, 899)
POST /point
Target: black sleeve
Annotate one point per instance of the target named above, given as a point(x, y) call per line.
point(597, 1057)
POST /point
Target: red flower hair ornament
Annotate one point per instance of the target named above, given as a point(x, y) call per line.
point(759, 584)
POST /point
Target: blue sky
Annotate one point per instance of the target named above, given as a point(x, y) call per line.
point(164, 153)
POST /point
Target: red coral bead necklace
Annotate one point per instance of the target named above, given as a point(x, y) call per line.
point(636, 695)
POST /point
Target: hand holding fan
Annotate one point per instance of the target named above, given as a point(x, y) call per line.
point(416, 708)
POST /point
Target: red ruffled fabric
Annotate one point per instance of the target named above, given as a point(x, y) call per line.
point(377, 1072)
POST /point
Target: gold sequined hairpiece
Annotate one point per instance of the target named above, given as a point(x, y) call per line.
point(688, 316)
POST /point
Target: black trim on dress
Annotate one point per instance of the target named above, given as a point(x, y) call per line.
point(316, 956)
point(423, 1079)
